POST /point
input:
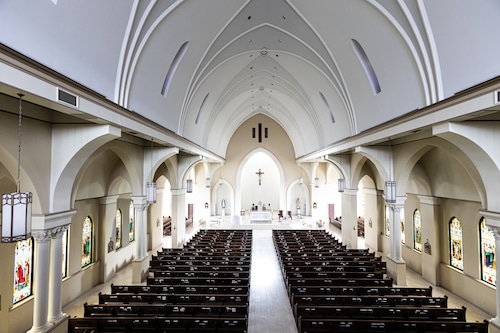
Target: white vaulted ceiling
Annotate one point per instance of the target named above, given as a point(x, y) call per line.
point(200, 68)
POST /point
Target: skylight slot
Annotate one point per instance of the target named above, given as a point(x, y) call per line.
point(367, 66)
point(173, 67)
point(201, 107)
point(327, 107)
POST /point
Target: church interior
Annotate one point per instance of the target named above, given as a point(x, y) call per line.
point(134, 133)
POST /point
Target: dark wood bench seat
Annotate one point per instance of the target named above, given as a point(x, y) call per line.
point(378, 312)
point(159, 325)
point(198, 281)
point(166, 310)
point(184, 289)
point(200, 274)
point(359, 291)
point(175, 299)
point(311, 325)
point(340, 282)
point(370, 300)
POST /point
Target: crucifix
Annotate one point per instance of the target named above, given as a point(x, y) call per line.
point(260, 173)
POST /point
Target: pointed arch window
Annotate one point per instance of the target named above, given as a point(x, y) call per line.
point(23, 272)
point(118, 227)
point(417, 231)
point(456, 244)
point(387, 230)
point(487, 251)
point(402, 224)
point(131, 223)
point(64, 258)
point(87, 241)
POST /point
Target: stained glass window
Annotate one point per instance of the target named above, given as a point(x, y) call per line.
point(131, 229)
point(118, 229)
point(456, 246)
point(23, 263)
point(64, 258)
point(87, 241)
point(387, 221)
point(402, 221)
point(488, 260)
point(417, 231)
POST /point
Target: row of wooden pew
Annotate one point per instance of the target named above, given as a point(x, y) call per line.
point(335, 289)
point(202, 287)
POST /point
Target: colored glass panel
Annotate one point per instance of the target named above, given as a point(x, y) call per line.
point(417, 231)
point(488, 260)
point(87, 240)
point(456, 244)
point(131, 230)
point(118, 223)
point(23, 263)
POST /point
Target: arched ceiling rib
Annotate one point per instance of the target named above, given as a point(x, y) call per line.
point(307, 78)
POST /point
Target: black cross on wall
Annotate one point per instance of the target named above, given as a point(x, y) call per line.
point(259, 128)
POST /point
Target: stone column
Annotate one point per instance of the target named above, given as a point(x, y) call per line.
point(178, 217)
point(493, 222)
point(430, 211)
point(141, 260)
point(41, 281)
point(55, 285)
point(350, 218)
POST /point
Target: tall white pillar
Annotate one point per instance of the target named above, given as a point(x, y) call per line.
point(396, 228)
point(350, 218)
point(140, 205)
point(178, 217)
point(41, 281)
point(493, 222)
point(55, 285)
point(140, 264)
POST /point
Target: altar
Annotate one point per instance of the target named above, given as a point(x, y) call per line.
point(262, 216)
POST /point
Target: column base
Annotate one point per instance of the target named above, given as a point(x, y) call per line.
point(397, 271)
point(140, 268)
point(58, 319)
point(494, 326)
point(41, 329)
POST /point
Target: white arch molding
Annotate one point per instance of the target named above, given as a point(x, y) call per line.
point(239, 175)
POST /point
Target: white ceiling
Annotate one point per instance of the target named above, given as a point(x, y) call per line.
point(292, 60)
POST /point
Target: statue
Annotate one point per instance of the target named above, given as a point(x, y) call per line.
point(297, 203)
point(223, 203)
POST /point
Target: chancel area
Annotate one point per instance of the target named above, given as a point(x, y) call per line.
point(250, 144)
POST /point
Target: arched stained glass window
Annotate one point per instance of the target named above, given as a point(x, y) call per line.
point(387, 230)
point(64, 258)
point(131, 227)
point(23, 273)
point(118, 224)
point(456, 244)
point(402, 222)
point(417, 231)
point(87, 241)
point(488, 260)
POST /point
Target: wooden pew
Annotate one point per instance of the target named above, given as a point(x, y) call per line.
point(311, 325)
point(184, 289)
point(370, 300)
point(160, 325)
point(197, 281)
point(150, 298)
point(358, 290)
point(378, 312)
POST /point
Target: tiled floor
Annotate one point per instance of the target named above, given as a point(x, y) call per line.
point(270, 310)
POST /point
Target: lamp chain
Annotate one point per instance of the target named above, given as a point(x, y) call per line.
point(19, 144)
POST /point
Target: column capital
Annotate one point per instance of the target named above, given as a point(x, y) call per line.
point(59, 231)
point(53, 220)
point(429, 200)
point(110, 199)
point(350, 191)
point(179, 191)
point(42, 236)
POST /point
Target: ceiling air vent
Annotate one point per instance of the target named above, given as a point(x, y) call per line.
point(67, 98)
point(497, 97)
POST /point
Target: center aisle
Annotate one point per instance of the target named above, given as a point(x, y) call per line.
point(270, 310)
